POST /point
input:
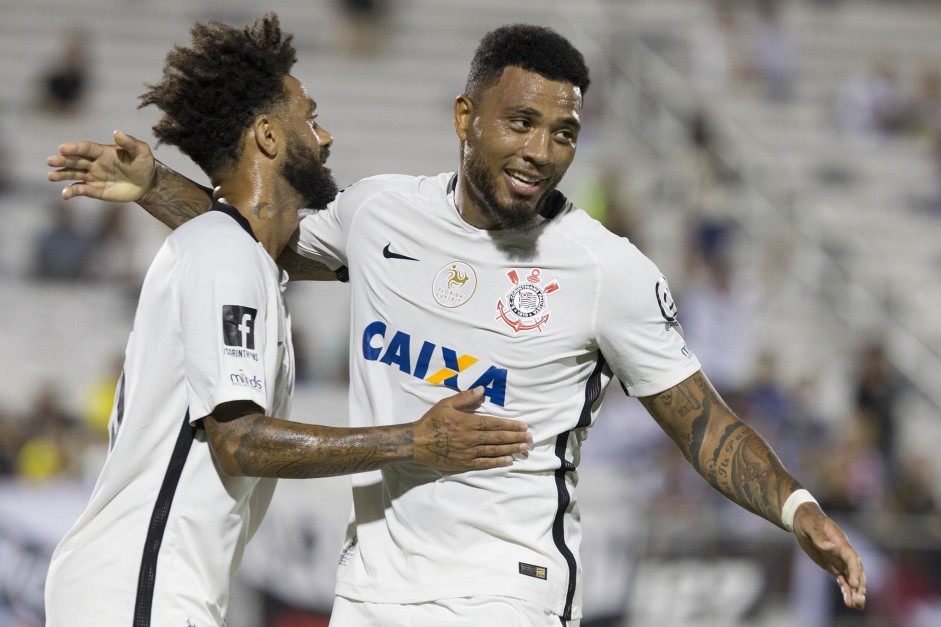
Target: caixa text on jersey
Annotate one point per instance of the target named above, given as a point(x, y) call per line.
point(431, 362)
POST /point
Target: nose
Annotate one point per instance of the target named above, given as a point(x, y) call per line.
point(538, 147)
point(324, 137)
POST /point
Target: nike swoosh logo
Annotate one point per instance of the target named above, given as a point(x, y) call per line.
point(388, 254)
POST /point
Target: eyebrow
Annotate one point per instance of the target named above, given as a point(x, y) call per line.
point(566, 121)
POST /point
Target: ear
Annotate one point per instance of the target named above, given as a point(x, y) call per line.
point(463, 114)
point(265, 132)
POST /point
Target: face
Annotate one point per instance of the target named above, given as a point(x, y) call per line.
point(518, 139)
point(308, 147)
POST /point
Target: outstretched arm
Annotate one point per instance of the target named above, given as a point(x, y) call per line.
point(246, 442)
point(126, 171)
point(737, 462)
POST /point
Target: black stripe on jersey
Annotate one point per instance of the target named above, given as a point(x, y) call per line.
point(233, 213)
point(592, 392)
point(115, 426)
point(158, 524)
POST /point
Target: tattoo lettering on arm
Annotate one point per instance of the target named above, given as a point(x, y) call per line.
point(731, 456)
point(174, 199)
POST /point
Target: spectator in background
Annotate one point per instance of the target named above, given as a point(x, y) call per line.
point(113, 248)
point(704, 183)
point(719, 50)
point(716, 318)
point(926, 105)
point(878, 388)
point(366, 25)
point(64, 84)
point(62, 251)
point(775, 53)
point(872, 103)
point(53, 439)
point(10, 442)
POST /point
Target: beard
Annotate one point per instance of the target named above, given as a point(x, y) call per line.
point(305, 172)
point(508, 216)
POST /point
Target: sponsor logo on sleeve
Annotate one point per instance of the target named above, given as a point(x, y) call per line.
point(244, 380)
point(238, 331)
point(667, 304)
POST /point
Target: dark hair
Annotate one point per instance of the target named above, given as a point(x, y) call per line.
point(533, 48)
point(212, 90)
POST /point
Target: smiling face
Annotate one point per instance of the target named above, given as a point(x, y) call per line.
point(518, 138)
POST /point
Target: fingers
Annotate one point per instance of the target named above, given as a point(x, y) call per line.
point(70, 162)
point(467, 399)
point(132, 145)
point(79, 189)
point(87, 149)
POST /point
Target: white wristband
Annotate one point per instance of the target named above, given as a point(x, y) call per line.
point(797, 498)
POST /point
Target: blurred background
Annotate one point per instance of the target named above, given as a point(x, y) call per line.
point(779, 160)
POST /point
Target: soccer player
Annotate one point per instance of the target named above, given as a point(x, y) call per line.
point(196, 435)
point(490, 277)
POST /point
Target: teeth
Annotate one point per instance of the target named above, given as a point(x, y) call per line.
point(524, 179)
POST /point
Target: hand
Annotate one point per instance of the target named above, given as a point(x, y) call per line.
point(448, 438)
point(826, 544)
point(120, 172)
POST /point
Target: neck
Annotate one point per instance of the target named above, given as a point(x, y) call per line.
point(468, 208)
point(270, 209)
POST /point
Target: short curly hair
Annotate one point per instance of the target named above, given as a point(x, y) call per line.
point(534, 48)
point(213, 89)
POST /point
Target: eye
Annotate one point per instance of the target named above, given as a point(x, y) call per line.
point(567, 136)
point(520, 124)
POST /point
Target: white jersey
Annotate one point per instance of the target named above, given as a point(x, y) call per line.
point(165, 528)
point(540, 319)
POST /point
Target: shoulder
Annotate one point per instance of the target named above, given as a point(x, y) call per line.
point(394, 184)
point(213, 239)
point(574, 224)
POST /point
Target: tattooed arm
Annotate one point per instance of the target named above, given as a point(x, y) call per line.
point(126, 171)
point(246, 442)
point(737, 462)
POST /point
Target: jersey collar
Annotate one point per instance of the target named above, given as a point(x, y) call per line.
point(233, 213)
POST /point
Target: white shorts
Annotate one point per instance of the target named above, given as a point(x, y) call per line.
point(483, 611)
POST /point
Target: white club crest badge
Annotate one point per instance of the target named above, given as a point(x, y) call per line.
point(525, 306)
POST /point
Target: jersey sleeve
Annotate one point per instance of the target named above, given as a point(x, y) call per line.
point(638, 328)
point(223, 306)
point(323, 235)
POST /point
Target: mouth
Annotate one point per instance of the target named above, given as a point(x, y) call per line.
point(524, 183)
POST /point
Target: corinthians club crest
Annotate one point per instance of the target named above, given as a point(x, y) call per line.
point(525, 306)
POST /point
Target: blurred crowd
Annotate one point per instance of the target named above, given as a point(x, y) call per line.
point(856, 463)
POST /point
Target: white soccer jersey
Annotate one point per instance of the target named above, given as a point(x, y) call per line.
point(540, 319)
point(165, 528)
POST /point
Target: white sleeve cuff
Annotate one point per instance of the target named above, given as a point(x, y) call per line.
point(797, 498)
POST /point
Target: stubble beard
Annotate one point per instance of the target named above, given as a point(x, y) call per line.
point(516, 215)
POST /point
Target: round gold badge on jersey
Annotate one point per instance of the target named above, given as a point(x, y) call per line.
point(454, 284)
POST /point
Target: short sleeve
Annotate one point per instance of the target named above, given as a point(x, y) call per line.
point(638, 327)
point(223, 308)
point(323, 235)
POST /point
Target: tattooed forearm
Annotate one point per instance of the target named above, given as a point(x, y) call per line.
point(731, 456)
point(262, 446)
point(173, 199)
